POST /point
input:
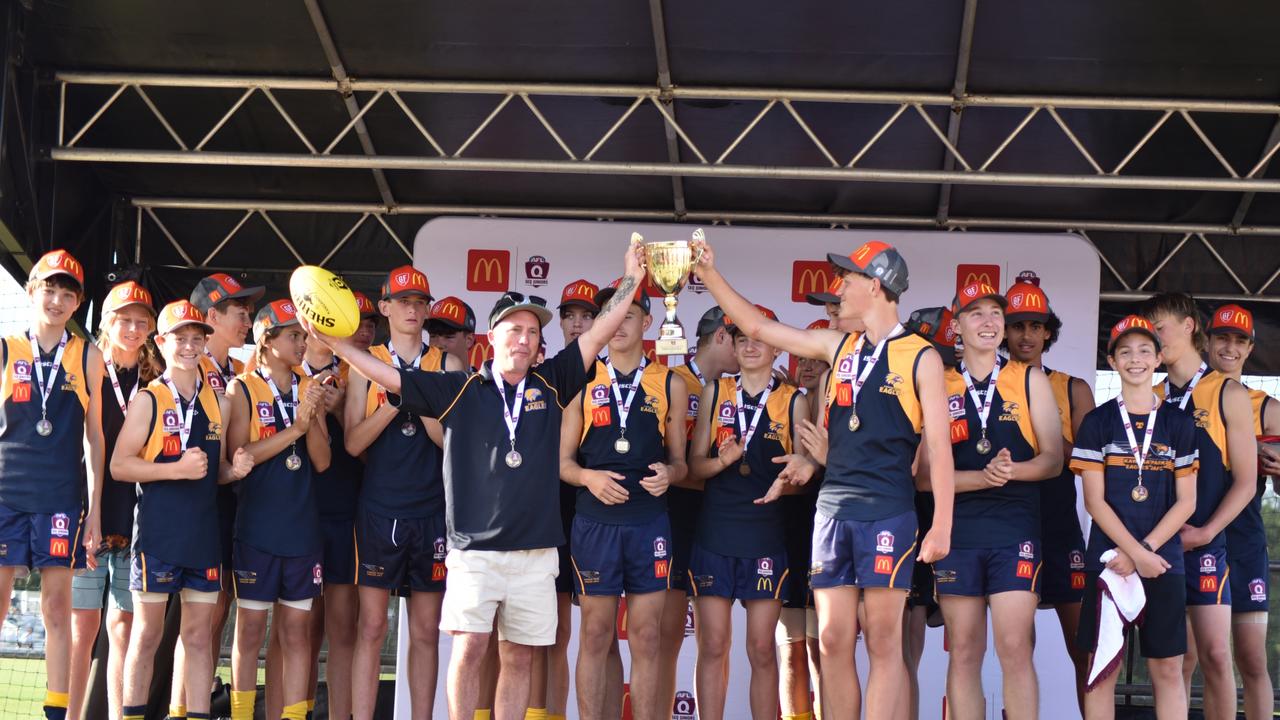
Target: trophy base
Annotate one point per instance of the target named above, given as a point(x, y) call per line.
point(671, 346)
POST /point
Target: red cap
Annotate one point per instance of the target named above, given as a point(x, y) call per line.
point(1131, 324)
point(1026, 302)
point(178, 314)
point(876, 259)
point(972, 293)
point(125, 294)
point(728, 323)
point(641, 297)
point(582, 293)
point(58, 262)
point(272, 315)
point(405, 280)
point(367, 310)
point(453, 312)
point(1232, 318)
point(822, 324)
point(217, 287)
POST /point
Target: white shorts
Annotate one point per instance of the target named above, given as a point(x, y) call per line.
point(517, 587)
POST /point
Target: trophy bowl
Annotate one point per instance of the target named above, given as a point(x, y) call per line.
point(669, 264)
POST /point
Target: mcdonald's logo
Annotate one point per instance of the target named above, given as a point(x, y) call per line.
point(661, 568)
point(61, 547)
point(1077, 581)
point(601, 417)
point(480, 351)
point(266, 432)
point(488, 270)
point(959, 431)
point(883, 565)
point(211, 574)
point(22, 392)
point(764, 584)
point(1239, 317)
point(172, 446)
point(844, 395)
point(968, 274)
point(809, 276)
point(438, 572)
point(1025, 569)
point(1209, 584)
point(723, 435)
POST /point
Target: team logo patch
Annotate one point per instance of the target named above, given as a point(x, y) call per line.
point(211, 574)
point(22, 392)
point(169, 421)
point(1201, 418)
point(1077, 581)
point(266, 415)
point(661, 568)
point(532, 395)
point(59, 547)
point(892, 384)
point(171, 445)
point(955, 406)
point(884, 542)
point(727, 412)
point(944, 576)
point(317, 574)
point(659, 547)
point(844, 369)
point(60, 525)
point(22, 371)
point(371, 570)
point(246, 577)
point(1257, 590)
point(1209, 584)
point(438, 548)
point(601, 416)
point(1208, 564)
point(1025, 569)
point(536, 270)
point(599, 395)
point(1009, 411)
point(959, 431)
point(438, 572)
point(844, 395)
point(816, 568)
point(685, 707)
point(764, 567)
point(1026, 550)
point(589, 577)
point(693, 406)
point(215, 380)
point(1076, 560)
point(883, 565)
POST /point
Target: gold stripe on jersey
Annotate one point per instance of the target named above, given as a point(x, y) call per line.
point(1060, 382)
point(653, 381)
point(778, 407)
point(1015, 405)
point(259, 393)
point(431, 361)
point(71, 378)
point(904, 352)
point(1207, 399)
point(694, 388)
point(156, 437)
point(844, 352)
point(1258, 398)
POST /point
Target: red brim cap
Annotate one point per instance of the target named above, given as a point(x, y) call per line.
point(58, 262)
point(179, 314)
point(1232, 319)
point(1129, 325)
point(972, 293)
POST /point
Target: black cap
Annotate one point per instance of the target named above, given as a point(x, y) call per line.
point(641, 298)
point(711, 321)
point(218, 287)
point(877, 260)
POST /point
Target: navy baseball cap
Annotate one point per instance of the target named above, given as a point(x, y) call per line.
point(877, 260)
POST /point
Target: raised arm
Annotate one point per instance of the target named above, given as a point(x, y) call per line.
point(814, 344)
point(591, 342)
point(361, 431)
point(360, 360)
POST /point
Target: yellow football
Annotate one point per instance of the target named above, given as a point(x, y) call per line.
point(324, 300)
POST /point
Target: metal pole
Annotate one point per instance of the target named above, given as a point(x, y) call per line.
point(402, 162)
point(659, 26)
point(963, 51)
point(1216, 297)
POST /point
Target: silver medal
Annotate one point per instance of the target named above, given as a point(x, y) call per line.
point(44, 427)
point(1139, 493)
point(293, 462)
point(513, 459)
point(854, 422)
point(622, 446)
point(984, 446)
point(409, 428)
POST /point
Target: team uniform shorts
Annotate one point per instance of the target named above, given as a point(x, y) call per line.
point(737, 578)
point(1062, 577)
point(609, 560)
point(149, 574)
point(1249, 581)
point(1208, 577)
point(977, 572)
point(263, 577)
point(870, 554)
point(39, 540)
point(392, 552)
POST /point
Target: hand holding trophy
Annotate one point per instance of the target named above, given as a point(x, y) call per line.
point(669, 263)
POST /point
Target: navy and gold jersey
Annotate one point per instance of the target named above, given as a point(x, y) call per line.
point(177, 520)
point(869, 470)
point(219, 377)
point(998, 516)
point(1214, 476)
point(338, 487)
point(1246, 533)
point(646, 432)
point(402, 473)
point(277, 511)
point(42, 473)
point(118, 498)
point(730, 523)
point(1058, 495)
point(1102, 445)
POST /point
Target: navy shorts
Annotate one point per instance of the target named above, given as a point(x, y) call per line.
point(1163, 629)
point(871, 554)
point(37, 540)
point(977, 572)
point(683, 507)
point(745, 579)
point(391, 552)
point(1062, 577)
point(266, 577)
point(612, 559)
point(148, 573)
point(1250, 580)
point(339, 550)
point(1208, 577)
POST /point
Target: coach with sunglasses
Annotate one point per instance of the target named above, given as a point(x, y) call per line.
point(501, 479)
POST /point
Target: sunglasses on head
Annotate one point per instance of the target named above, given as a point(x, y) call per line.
point(515, 298)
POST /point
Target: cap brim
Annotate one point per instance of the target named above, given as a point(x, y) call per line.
point(1111, 346)
point(1000, 300)
point(603, 297)
point(844, 263)
point(544, 315)
point(821, 298)
point(1227, 331)
point(114, 308)
point(208, 329)
point(55, 273)
point(449, 324)
point(252, 294)
point(1024, 315)
point(578, 302)
point(403, 293)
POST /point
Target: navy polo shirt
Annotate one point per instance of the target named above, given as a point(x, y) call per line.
point(489, 506)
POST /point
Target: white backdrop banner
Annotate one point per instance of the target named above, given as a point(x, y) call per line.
point(477, 259)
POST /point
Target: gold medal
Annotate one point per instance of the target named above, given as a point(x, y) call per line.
point(854, 422)
point(744, 469)
point(1139, 494)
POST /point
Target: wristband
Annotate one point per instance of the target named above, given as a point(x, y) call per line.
point(1146, 546)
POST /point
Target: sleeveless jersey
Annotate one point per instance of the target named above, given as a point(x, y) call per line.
point(730, 523)
point(1003, 516)
point(277, 511)
point(869, 470)
point(403, 473)
point(1246, 533)
point(646, 432)
point(1214, 475)
point(338, 487)
point(43, 473)
point(220, 377)
point(177, 520)
point(118, 498)
point(1058, 521)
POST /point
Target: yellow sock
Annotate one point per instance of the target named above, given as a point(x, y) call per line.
point(56, 699)
point(177, 711)
point(799, 716)
point(484, 714)
point(296, 711)
point(242, 704)
point(535, 714)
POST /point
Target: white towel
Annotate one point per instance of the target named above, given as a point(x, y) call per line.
point(1120, 605)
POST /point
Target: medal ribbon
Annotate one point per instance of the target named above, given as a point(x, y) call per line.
point(511, 415)
point(395, 359)
point(1195, 380)
point(693, 367)
point(749, 432)
point(871, 361)
point(46, 390)
point(228, 373)
point(115, 385)
point(983, 405)
point(184, 429)
point(624, 408)
point(275, 392)
point(1139, 456)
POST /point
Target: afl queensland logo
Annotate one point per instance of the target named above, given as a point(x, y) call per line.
point(170, 421)
point(1077, 560)
point(659, 547)
point(599, 395)
point(844, 369)
point(265, 414)
point(727, 412)
point(1026, 550)
point(1257, 590)
point(536, 270)
point(439, 548)
point(1208, 564)
point(693, 405)
point(22, 371)
point(685, 706)
point(764, 567)
point(884, 542)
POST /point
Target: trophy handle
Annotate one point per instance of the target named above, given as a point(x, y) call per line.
point(699, 237)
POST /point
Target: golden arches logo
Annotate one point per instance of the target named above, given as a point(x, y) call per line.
point(492, 270)
point(982, 278)
point(812, 280)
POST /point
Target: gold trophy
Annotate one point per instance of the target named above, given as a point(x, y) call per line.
point(669, 264)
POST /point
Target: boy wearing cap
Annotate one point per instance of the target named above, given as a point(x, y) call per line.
point(714, 356)
point(131, 362)
point(277, 558)
point(578, 308)
point(173, 447)
point(368, 327)
point(1225, 483)
point(1138, 459)
point(501, 474)
point(744, 454)
point(1031, 328)
point(622, 445)
point(400, 531)
point(888, 393)
point(1005, 437)
point(451, 325)
point(51, 418)
point(1231, 341)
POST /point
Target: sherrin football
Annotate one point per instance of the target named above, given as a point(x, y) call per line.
point(324, 300)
